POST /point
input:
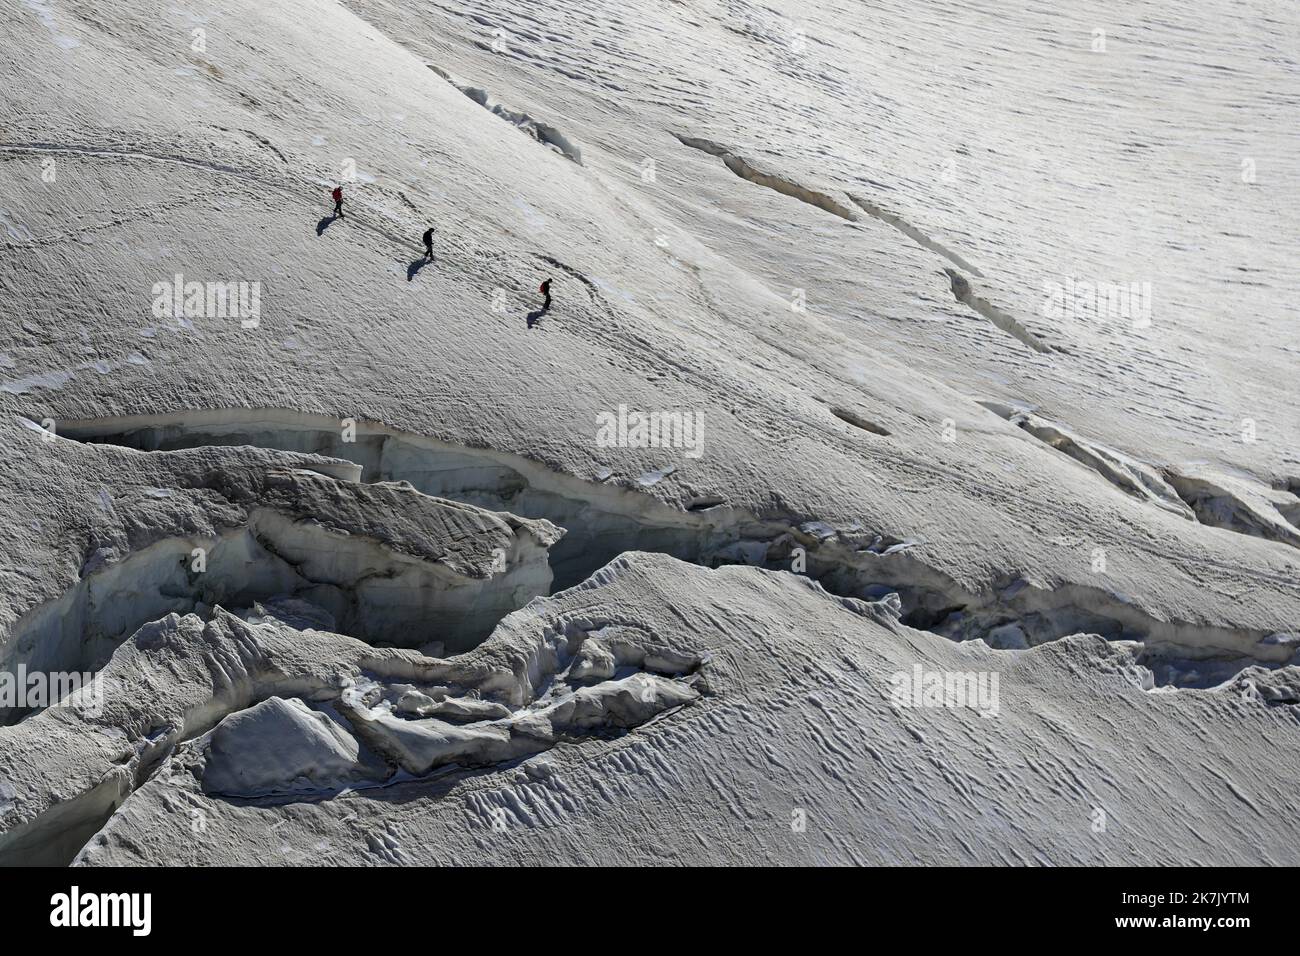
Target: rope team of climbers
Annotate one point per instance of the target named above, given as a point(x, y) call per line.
point(545, 288)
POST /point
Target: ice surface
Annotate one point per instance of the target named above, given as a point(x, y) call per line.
point(876, 248)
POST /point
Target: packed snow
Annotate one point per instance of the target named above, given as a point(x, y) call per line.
point(902, 468)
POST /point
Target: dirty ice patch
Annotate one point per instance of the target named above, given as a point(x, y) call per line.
point(45, 13)
point(56, 380)
point(21, 386)
point(14, 230)
point(6, 361)
point(654, 477)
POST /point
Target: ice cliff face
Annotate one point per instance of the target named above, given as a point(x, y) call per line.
point(969, 333)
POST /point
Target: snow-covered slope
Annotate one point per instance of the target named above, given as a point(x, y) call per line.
point(854, 244)
point(787, 747)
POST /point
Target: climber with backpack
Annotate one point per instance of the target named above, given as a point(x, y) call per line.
point(536, 314)
point(337, 196)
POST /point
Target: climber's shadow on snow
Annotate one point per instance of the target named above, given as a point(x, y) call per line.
point(324, 224)
point(414, 268)
point(536, 315)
